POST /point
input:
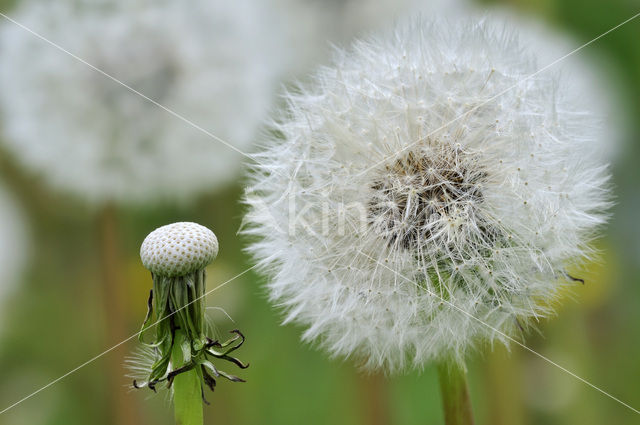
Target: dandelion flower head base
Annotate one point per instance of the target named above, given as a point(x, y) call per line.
point(179, 248)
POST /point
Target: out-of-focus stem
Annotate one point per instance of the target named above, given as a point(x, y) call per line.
point(505, 394)
point(187, 389)
point(375, 399)
point(121, 405)
point(455, 394)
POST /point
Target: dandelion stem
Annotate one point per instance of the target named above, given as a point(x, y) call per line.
point(375, 399)
point(122, 408)
point(455, 394)
point(187, 390)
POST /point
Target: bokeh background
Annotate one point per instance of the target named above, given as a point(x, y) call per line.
point(60, 313)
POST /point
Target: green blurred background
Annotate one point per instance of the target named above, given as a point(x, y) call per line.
point(56, 320)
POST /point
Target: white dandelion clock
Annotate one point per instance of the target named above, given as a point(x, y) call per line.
point(427, 195)
point(214, 63)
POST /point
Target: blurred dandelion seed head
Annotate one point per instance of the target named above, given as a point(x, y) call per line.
point(420, 176)
point(215, 63)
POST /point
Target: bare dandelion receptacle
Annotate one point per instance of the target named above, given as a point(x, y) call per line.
point(178, 249)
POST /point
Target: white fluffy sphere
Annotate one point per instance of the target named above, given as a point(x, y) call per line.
point(422, 185)
point(213, 62)
point(178, 249)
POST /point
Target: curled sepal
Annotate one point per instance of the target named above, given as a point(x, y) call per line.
point(177, 306)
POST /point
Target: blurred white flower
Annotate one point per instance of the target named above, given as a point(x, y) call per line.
point(13, 243)
point(386, 219)
point(213, 62)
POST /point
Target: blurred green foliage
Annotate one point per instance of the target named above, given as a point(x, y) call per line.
point(56, 321)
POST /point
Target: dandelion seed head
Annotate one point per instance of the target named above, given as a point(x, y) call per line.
point(424, 193)
point(178, 249)
point(214, 63)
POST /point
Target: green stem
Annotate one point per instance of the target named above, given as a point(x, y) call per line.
point(455, 394)
point(187, 390)
point(121, 405)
